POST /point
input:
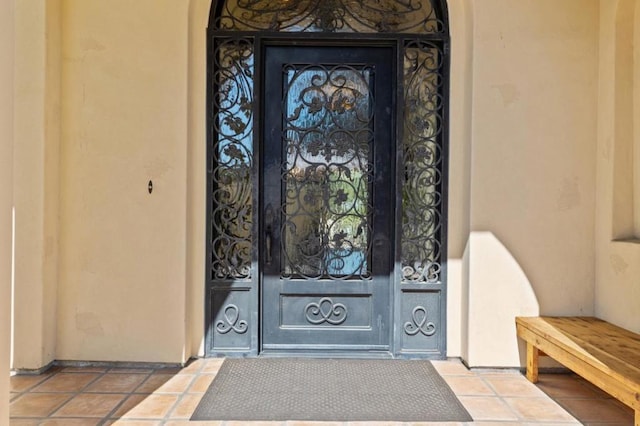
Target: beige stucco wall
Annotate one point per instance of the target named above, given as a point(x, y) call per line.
point(130, 265)
point(618, 262)
point(7, 41)
point(122, 293)
point(534, 114)
point(462, 29)
point(196, 175)
point(37, 133)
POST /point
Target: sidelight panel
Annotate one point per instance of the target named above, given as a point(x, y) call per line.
point(422, 153)
point(231, 176)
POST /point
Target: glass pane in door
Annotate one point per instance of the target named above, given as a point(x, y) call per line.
point(328, 175)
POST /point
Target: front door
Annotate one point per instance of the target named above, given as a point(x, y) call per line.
point(327, 199)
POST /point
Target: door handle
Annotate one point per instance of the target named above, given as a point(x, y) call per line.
point(267, 243)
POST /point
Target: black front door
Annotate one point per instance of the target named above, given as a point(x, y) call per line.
point(327, 199)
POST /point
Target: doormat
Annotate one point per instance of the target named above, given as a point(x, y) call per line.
point(280, 389)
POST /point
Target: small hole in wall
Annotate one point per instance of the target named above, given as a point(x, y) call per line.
point(150, 187)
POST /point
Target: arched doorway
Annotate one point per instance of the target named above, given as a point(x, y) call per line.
point(327, 178)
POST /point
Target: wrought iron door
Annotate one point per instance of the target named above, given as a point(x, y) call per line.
point(327, 198)
point(327, 153)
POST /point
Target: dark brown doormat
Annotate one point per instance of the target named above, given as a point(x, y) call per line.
point(281, 389)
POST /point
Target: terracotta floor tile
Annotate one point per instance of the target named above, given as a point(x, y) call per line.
point(168, 370)
point(25, 422)
point(194, 366)
point(90, 405)
point(185, 407)
point(201, 383)
point(369, 423)
point(66, 382)
point(37, 404)
point(212, 365)
point(178, 391)
point(592, 387)
point(152, 407)
point(70, 422)
point(566, 385)
point(176, 384)
point(118, 370)
point(129, 404)
point(487, 408)
point(118, 383)
point(22, 383)
point(468, 386)
point(451, 368)
point(575, 422)
point(84, 369)
point(434, 424)
point(597, 410)
point(153, 382)
point(605, 424)
point(502, 424)
point(538, 409)
point(517, 386)
point(306, 423)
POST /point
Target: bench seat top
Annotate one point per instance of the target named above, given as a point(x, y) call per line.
point(604, 346)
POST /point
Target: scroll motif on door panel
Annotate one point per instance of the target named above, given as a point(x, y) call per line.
point(420, 316)
point(231, 319)
point(320, 311)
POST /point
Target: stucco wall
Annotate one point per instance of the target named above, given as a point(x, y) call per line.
point(122, 293)
point(524, 105)
point(7, 41)
point(533, 146)
point(196, 175)
point(618, 248)
point(36, 194)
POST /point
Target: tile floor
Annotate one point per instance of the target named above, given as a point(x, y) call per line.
point(117, 396)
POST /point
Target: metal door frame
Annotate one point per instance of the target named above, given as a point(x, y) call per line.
point(232, 317)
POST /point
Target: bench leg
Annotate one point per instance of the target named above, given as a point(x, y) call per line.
point(532, 364)
point(637, 422)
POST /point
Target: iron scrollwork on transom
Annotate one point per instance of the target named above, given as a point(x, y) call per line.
point(422, 149)
point(380, 16)
point(231, 321)
point(327, 175)
point(418, 323)
point(325, 311)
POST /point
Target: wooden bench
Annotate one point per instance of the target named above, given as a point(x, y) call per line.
point(606, 355)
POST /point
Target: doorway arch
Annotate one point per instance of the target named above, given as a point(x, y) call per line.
point(317, 282)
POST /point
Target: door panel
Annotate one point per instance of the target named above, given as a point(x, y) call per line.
point(327, 198)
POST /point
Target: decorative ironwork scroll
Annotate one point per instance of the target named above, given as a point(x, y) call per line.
point(422, 149)
point(419, 324)
point(231, 317)
point(328, 174)
point(232, 153)
point(325, 311)
point(378, 16)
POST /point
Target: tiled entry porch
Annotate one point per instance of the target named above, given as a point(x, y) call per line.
point(106, 396)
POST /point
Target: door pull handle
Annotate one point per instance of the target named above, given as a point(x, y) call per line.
point(267, 243)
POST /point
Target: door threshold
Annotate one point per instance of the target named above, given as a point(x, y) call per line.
point(336, 354)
